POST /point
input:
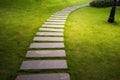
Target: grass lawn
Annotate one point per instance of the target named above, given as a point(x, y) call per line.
point(19, 21)
point(93, 44)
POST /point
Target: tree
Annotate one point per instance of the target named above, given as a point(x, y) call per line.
point(112, 13)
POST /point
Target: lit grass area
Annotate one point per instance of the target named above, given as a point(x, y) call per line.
point(19, 21)
point(93, 45)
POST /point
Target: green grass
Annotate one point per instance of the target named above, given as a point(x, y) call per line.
point(19, 21)
point(93, 45)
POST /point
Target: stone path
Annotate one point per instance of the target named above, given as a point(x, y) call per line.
point(49, 38)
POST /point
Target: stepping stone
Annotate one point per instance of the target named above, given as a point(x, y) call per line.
point(44, 64)
point(53, 26)
point(47, 45)
point(48, 39)
point(63, 11)
point(46, 53)
point(51, 76)
point(50, 34)
point(59, 16)
point(69, 9)
point(51, 29)
point(56, 20)
point(61, 23)
point(56, 16)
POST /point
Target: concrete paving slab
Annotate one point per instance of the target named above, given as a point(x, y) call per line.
point(46, 53)
point(51, 29)
point(50, 76)
point(53, 26)
point(50, 34)
point(53, 20)
point(47, 45)
point(57, 18)
point(44, 64)
point(48, 39)
point(59, 23)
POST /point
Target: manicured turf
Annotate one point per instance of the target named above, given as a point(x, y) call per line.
point(19, 21)
point(93, 44)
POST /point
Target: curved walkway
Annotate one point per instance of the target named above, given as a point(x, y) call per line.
point(48, 43)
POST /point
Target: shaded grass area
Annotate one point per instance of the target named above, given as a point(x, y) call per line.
point(19, 21)
point(93, 44)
